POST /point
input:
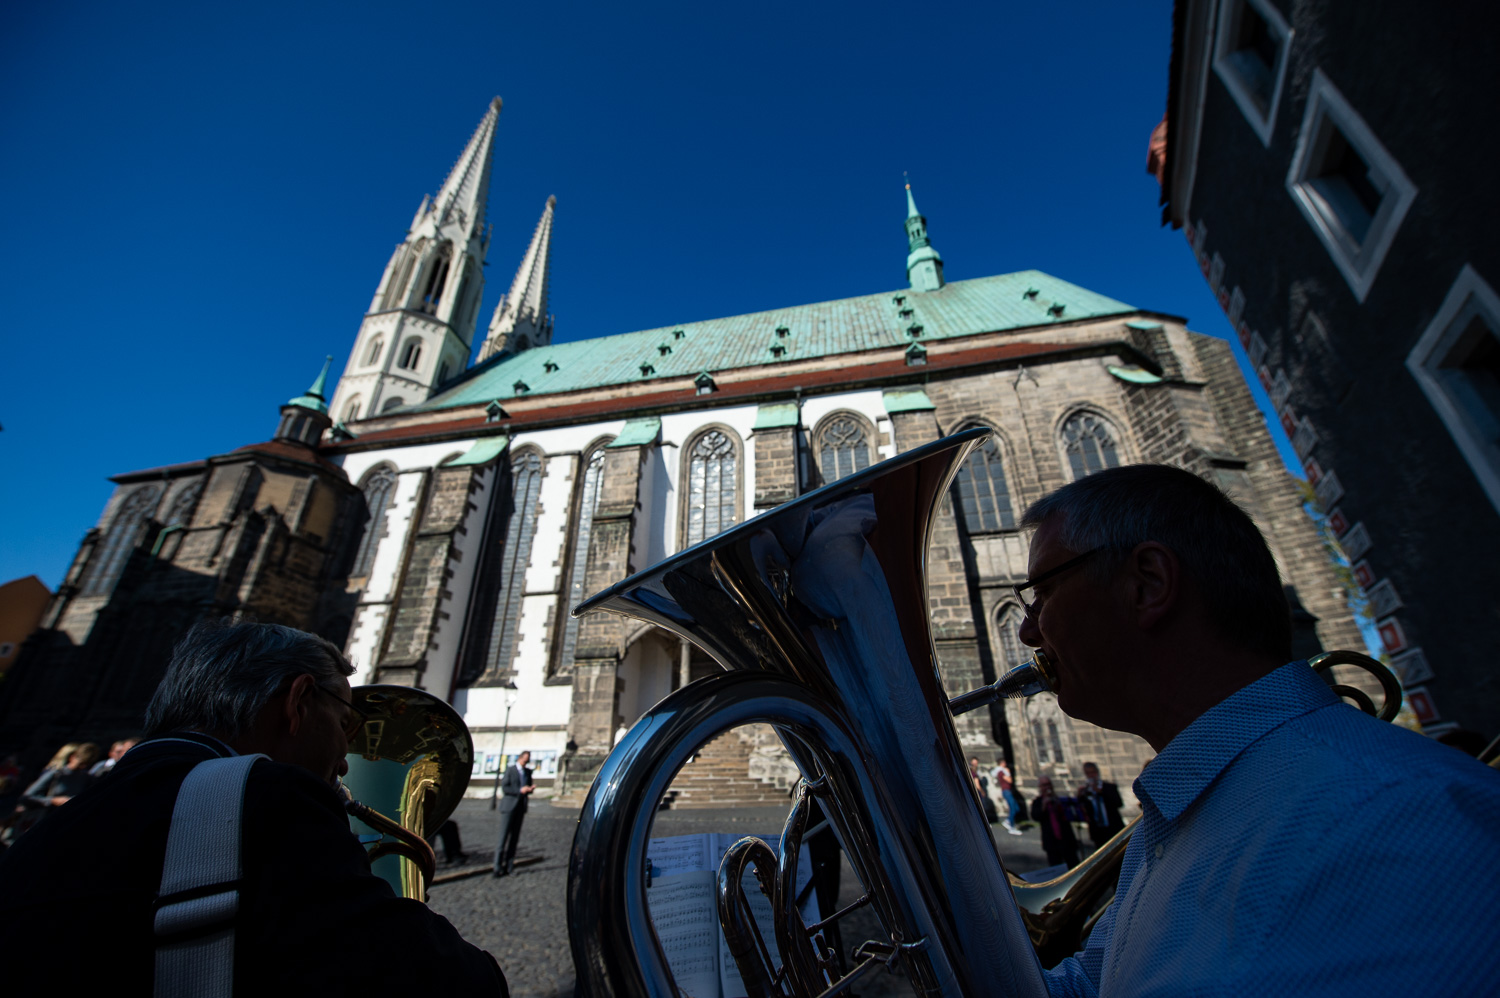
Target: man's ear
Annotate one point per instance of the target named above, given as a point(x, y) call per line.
point(1156, 579)
point(298, 703)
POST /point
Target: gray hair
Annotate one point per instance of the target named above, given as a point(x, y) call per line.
point(1215, 541)
point(222, 673)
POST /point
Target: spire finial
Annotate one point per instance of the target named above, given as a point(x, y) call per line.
point(313, 398)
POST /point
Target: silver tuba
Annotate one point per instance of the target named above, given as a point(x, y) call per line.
point(818, 613)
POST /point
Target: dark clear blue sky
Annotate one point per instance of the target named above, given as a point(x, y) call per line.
point(202, 196)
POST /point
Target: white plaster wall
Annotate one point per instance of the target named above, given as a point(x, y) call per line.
point(870, 404)
point(567, 439)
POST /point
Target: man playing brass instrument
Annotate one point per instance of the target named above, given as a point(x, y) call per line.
point(1288, 844)
point(304, 917)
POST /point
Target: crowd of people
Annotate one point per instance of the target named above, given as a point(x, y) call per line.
point(1095, 804)
point(71, 770)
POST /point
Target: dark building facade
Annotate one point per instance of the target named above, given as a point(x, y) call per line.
point(1331, 167)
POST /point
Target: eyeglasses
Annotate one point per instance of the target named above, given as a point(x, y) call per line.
point(1026, 592)
point(354, 721)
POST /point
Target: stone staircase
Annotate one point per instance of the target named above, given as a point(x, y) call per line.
point(718, 777)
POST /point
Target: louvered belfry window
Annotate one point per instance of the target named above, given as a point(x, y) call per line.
point(379, 488)
point(843, 448)
point(983, 493)
point(526, 487)
point(1089, 444)
point(588, 501)
point(713, 473)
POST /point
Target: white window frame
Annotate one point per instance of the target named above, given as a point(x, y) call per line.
point(1358, 262)
point(1470, 296)
point(1262, 123)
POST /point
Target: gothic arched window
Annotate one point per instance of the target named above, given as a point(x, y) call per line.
point(374, 355)
point(712, 487)
point(411, 354)
point(181, 512)
point(394, 403)
point(526, 488)
point(983, 494)
point(1089, 443)
point(351, 411)
point(1008, 633)
point(843, 448)
point(443, 370)
point(121, 538)
point(588, 502)
point(437, 279)
point(379, 489)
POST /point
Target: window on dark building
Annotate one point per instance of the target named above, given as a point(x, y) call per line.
point(1250, 57)
point(1347, 185)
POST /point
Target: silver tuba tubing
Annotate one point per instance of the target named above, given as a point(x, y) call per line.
point(818, 612)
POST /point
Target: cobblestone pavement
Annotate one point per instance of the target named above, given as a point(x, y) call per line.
point(522, 919)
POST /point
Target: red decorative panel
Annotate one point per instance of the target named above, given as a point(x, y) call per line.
point(1391, 634)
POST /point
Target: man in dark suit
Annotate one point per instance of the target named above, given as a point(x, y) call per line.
point(1101, 806)
point(311, 919)
point(515, 788)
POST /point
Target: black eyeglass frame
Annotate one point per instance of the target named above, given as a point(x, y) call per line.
point(351, 729)
point(1051, 573)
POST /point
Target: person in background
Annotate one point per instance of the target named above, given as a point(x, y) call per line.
point(116, 750)
point(516, 787)
point(56, 787)
point(1058, 840)
point(982, 787)
point(1101, 806)
point(1007, 786)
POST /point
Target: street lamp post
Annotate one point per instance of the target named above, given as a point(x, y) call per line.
point(510, 701)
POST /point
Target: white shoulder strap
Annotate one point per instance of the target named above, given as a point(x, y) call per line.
point(200, 882)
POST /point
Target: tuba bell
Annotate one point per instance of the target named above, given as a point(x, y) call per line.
point(818, 613)
point(409, 766)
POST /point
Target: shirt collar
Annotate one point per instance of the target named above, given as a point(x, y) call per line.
point(1205, 748)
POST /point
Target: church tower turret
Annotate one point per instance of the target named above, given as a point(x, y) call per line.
point(924, 266)
point(521, 320)
point(304, 418)
point(419, 330)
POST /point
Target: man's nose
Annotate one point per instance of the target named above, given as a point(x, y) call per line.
point(1029, 633)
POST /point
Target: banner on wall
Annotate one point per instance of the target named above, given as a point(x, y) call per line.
point(543, 762)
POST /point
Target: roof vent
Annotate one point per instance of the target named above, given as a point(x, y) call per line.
point(1030, 293)
point(782, 331)
point(777, 349)
point(647, 370)
point(664, 348)
point(1056, 308)
point(550, 366)
point(705, 384)
point(914, 330)
point(906, 313)
point(916, 355)
point(899, 299)
point(678, 334)
point(520, 388)
point(494, 412)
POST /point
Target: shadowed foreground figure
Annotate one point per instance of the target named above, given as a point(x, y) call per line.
point(1289, 844)
point(311, 919)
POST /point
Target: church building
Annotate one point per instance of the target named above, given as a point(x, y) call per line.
point(438, 520)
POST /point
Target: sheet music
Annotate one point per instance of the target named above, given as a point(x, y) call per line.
point(682, 909)
point(681, 854)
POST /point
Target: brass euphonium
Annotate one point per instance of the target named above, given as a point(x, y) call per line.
point(818, 613)
point(409, 766)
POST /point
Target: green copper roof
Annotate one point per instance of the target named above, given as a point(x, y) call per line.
point(776, 415)
point(823, 329)
point(313, 398)
point(483, 452)
point(911, 204)
point(638, 432)
point(908, 400)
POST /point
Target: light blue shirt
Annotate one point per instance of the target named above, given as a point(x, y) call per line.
point(1292, 845)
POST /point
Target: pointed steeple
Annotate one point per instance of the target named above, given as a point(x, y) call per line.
point(419, 329)
point(465, 193)
point(521, 320)
point(305, 417)
point(924, 265)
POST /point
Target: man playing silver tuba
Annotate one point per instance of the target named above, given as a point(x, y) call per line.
point(1282, 833)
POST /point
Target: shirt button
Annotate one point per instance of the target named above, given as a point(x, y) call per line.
point(1158, 850)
